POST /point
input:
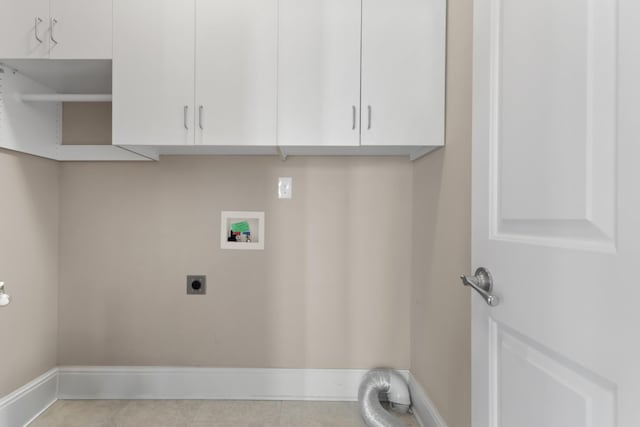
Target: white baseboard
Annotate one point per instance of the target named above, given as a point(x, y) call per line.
point(423, 408)
point(80, 382)
point(209, 383)
point(22, 406)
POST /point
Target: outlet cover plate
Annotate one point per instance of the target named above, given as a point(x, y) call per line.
point(196, 285)
point(285, 187)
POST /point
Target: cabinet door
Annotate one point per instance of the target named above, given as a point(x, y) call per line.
point(81, 29)
point(24, 28)
point(236, 66)
point(319, 72)
point(403, 72)
point(153, 72)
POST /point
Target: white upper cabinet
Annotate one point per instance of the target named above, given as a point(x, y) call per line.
point(236, 72)
point(293, 73)
point(24, 28)
point(184, 78)
point(80, 29)
point(153, 72)
point(319, 73)
point(403, 72)
point(57, 29)
point(368, 72)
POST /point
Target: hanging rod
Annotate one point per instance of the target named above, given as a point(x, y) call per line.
point(65, 97)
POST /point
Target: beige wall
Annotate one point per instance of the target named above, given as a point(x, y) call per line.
point(330, 290)
point(29, 266)
point(440, 320)
point(86, 123)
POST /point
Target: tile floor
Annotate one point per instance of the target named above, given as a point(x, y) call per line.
point(202, 413)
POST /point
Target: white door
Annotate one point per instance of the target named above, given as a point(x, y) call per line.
point(236, 72)
point(403, 72)
point(556, 213)
point(81, 29)
point(153, 72)
point(319, 72)
point(24, 28)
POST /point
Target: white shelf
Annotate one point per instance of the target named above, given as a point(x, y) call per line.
point(66, 75)
point(65, 97)
point(88, 153)
point(36, 127)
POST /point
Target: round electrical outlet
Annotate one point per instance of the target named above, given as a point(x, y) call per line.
point(196, 285)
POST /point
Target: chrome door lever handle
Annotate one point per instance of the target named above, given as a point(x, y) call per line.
point(482, 283)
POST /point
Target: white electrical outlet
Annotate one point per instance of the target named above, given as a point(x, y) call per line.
point(285, 187)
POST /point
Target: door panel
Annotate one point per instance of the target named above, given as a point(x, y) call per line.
point(18, 32)
point(83, 29)
point(403, 72)
point(555, 212)
point(319, 72)
point(236, 71)
point(153, 72)
point(536, 387)
point(554, 141)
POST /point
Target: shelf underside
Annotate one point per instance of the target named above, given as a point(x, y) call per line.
point(65, 75)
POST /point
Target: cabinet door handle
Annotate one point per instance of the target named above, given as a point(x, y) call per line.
point(53, 22)
point(35, 28)
point(368, 117)
point(353, 117)
point(186, 113)
point(200, 123)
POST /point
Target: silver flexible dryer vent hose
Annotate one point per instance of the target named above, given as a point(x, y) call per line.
point(389, 385)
